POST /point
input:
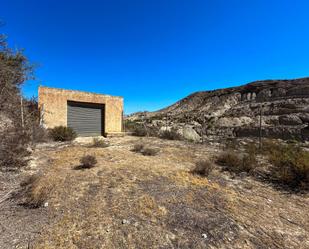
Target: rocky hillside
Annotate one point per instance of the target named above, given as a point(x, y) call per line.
point(235, 112)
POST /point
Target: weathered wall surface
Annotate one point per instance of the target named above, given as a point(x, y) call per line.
point(53, 105)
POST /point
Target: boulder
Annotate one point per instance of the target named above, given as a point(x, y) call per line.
point(164, 128)
point(190, 134)
point(87, 140)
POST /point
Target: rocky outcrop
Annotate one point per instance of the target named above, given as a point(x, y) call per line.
point(290, 119)
point(282, 104)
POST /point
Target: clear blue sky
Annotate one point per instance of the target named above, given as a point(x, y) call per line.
point(154, 52)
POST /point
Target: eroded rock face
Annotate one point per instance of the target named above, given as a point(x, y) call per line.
point(283, 104)
point(291, 119)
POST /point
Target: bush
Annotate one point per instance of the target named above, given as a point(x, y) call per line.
point(146, 151)
point(170, 135)
point(268, 146)
point(13, 149)
point(149, 152)
point(140, 131)
point(231, 144)
point(39, 134)
point(237, 163)
point(35, 191)
point(130, 125)
point(290, 165)
point(62, 133)
point(88, 162)
point(138, 148)
point(99, 143)
point(203, 168)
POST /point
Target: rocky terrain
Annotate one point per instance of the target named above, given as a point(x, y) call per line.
point(236, 111)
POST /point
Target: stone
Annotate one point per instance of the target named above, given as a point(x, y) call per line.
point(87, 140)
point(204, 236)
point(190, 134)
point(124, 221)
point(165, 128)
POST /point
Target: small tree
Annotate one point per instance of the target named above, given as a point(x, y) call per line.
point(15, 134)
point(62, 133)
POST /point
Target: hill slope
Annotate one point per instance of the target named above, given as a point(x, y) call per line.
point(236, 111)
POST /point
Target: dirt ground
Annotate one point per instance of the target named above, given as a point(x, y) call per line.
point(133, 201)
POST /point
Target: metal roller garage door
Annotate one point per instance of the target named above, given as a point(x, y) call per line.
point(86, 119)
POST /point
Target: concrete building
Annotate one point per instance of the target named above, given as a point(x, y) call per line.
point(89, 114)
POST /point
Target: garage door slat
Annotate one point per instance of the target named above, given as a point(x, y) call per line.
point(85, 119)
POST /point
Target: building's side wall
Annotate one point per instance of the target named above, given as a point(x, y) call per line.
point(53, 105)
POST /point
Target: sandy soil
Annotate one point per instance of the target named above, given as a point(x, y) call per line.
point(133, 201)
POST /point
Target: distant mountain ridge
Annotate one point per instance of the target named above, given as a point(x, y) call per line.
point(235, 111)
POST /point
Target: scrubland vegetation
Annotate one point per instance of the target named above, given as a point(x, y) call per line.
point(151, 191)
point(180, 197)
point(288, 163)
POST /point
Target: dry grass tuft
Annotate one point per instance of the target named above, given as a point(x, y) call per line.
point(171, 135)
point(99, 143)
point(149, 151)
point(146, 151)
point(290, 165)
point(185, 178)
point(35, 190)
point(237, 163)
point(138, 147)
point(87, 162)
point(149, 207)
point(203, 167)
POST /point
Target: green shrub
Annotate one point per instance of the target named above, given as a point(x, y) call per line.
point(237, 163)
point(290, 165)
point(88, 162)
point(170, 135)
point(203, 168)
point(62, 133)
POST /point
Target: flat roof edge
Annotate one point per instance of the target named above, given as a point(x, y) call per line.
point(70, 90)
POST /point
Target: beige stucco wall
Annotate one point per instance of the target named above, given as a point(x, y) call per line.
point(53, 106)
